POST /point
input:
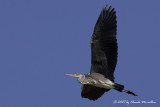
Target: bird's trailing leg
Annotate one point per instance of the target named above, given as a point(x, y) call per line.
point(129, 92)
point(120, 88)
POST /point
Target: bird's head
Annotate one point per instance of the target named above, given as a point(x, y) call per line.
point(75, 75)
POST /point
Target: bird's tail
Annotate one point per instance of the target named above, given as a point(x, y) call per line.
point(120, 88)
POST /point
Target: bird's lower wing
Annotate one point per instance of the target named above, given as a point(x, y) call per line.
point(92, 92)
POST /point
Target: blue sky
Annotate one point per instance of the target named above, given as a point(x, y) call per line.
point(42, 40)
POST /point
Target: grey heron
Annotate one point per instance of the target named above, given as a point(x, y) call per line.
point(103, 59)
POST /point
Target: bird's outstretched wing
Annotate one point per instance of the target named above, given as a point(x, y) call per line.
point(104, 44)
point(92, 92)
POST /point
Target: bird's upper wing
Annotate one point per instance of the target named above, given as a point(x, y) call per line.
point(104, 44)
point(92, 92)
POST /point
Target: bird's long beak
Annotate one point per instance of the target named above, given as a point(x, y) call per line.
point(72, 75)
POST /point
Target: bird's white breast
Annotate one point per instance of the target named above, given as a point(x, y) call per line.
point(107, 84)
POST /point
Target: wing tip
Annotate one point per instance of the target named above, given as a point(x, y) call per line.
point(108, 8)
point(107, 16)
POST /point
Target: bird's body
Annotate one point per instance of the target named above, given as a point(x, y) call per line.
point(96, 80)
point(103, 59)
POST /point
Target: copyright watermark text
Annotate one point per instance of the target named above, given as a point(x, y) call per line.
point(127, 102)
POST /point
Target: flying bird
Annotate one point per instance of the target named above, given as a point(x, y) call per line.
point(103, 58)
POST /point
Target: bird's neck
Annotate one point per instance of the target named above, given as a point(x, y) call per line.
point(81, 78)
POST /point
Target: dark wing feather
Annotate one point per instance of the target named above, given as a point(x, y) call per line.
point(92, 92)
point(104, 44)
